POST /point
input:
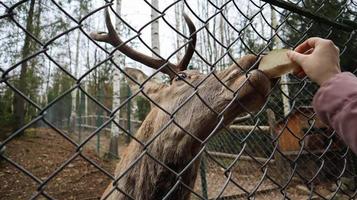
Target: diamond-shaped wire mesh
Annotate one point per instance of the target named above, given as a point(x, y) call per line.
point(85, 119)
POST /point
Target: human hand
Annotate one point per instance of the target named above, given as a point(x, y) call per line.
point(319, 59)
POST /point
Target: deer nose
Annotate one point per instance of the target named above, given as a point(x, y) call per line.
point(257, 87)
point(232, 75)
point(248, 62)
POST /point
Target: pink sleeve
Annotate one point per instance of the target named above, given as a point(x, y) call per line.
point(336, 105)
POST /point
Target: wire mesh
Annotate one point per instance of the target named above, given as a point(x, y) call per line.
point(182, 145)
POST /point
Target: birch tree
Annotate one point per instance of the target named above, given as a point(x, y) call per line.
point(113, 147)
point(284, 79)
point(76, 92)
point(83, 6)
point(178, 14)
point(22, 84)
point(155, 36)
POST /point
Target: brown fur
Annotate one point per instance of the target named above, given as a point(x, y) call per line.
point(146, 179)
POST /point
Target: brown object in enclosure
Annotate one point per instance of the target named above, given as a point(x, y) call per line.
point(276, 63)
point(298, 124)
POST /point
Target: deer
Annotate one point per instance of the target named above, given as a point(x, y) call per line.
point(163, 159)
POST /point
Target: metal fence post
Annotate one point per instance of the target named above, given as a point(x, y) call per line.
point(203, 177)
point(99, 120)
point(80, 115)
point(128, 114)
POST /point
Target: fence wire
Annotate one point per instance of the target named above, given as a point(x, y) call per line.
point(187, 146)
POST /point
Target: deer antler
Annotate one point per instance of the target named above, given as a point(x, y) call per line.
point(191, 48)
point(112, 38)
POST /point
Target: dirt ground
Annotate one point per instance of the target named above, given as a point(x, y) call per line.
point(42, 151)
point(246, 177)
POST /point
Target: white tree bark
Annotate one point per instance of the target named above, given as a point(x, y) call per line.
point(113, 147)
point(178, 15)
point(86, 85)
point(222, 39)
point(116, 76)
point(75, 92)
point(284, 79)
point(155, 37)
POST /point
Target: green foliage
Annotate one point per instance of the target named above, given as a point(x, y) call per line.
point(252, 41)
point(6, 116)
point(143, 108)
point(124, 95)
point(33, 84)
point(61, 109)
point(232, 143)
point(298, 28)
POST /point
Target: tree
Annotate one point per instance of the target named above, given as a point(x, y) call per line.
point(331, 10)
point(27, 68)
point(83, 7)
point(61, 110)
point(277, 43)
point(155, 36)
point(143, 108)
point(298, 27)
point(178, 14)
point(6, 116)
point(113, 147)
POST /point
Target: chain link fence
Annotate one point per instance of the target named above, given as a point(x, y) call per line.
point(220, 130)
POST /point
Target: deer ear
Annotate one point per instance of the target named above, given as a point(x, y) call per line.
point(137, 77)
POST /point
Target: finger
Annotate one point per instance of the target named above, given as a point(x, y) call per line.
point(296, 57)
point(308, 51)
point(307, 44)
point(297, 70)
point(301, 74)
point(338, 49)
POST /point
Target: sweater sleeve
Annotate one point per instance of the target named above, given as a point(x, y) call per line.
point(336, 105)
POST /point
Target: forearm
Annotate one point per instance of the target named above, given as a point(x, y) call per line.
point(336, 105)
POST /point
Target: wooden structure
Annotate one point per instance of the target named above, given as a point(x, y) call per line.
point(302, 127)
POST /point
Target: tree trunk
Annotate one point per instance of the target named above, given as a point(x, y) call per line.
point(222, 39)
point(86, 84)
point(209, 51)
point(18, 101)
point(113, 145)
point(75, 93)
point(177, 26)
point(284, 79)
point(155, 37)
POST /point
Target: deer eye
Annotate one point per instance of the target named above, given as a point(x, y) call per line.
point(181, 76)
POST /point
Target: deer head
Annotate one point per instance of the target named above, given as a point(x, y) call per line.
point(183, 114)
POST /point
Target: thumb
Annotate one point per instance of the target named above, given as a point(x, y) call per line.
point(296, 57)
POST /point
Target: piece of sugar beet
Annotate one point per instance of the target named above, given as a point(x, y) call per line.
point(276, 63)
